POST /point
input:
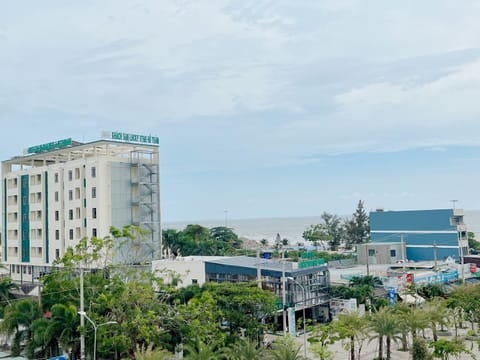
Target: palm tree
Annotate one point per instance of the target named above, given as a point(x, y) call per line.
point(63, 327)
point(6, 288)
point(244, 350)
point(411, 320)
point(149, 353)
point(171, 240)
point(18, 322)
point(385, 325)
point(286, 349)
point(437, 314)
point(403, 312)
point(352, 326)
point(200, 351)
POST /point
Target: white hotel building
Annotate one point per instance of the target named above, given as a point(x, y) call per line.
point(58, 193)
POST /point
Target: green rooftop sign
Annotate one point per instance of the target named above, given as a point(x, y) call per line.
point(59, 144)
point(144, 139)
point(311, 263)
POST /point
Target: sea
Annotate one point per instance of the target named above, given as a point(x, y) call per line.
point(290, 228)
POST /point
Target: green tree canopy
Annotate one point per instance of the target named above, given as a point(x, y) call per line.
point(357, 228)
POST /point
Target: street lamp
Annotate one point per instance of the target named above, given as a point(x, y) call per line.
point(304, 305)
point(95, 327)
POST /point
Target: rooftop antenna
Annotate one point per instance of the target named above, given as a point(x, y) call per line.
point(454, 202)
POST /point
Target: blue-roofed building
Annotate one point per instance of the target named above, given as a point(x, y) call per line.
point(426, 234)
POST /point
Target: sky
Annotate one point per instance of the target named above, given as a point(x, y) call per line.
point(263, 108)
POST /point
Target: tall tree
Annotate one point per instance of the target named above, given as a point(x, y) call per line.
point(437, 314)
point(316, 234)
point(321, 337)
point(385, 325)
point(226, 240)
point(243, 305)
point(358, 228)
point(473, 244)
point(352, 326)
point(171, 239)
point(331, 230)
point(335, 230)
point(62, 329)
point(18, 322)
point(7, 286)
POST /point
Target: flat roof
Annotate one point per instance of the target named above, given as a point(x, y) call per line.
point(79, 151)
point(253, 262)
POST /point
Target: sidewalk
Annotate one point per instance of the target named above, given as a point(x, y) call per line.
point(370, 348)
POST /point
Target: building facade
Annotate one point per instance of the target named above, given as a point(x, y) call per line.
point(58, 193)
point(425, 234)
point(303, 287)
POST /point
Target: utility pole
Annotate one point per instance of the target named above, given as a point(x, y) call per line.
point(82, 315)
point(284, 295)
point(366, 255)
point(259, 271)
point(460, 243)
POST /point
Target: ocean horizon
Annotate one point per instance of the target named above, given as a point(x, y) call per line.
point(290, 228)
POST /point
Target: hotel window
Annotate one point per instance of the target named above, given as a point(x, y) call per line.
point(77, 233)
point(70, 194)
point(57, 253)
point(94, 192)
point(77, 173)
point(70, 175)
point(77, 193)
point(57, 215)
point(94, 232)
point(77, 213)
point(57, 234)
point(94, 171)
point(71, 234)
point(56, 177)
point(371, 252)
point(393, 253)
point(94, 213)
point(70, 214)
point(56, 196)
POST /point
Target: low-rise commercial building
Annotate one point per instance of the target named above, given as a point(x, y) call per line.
point(298, 286)
point(422, 234)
